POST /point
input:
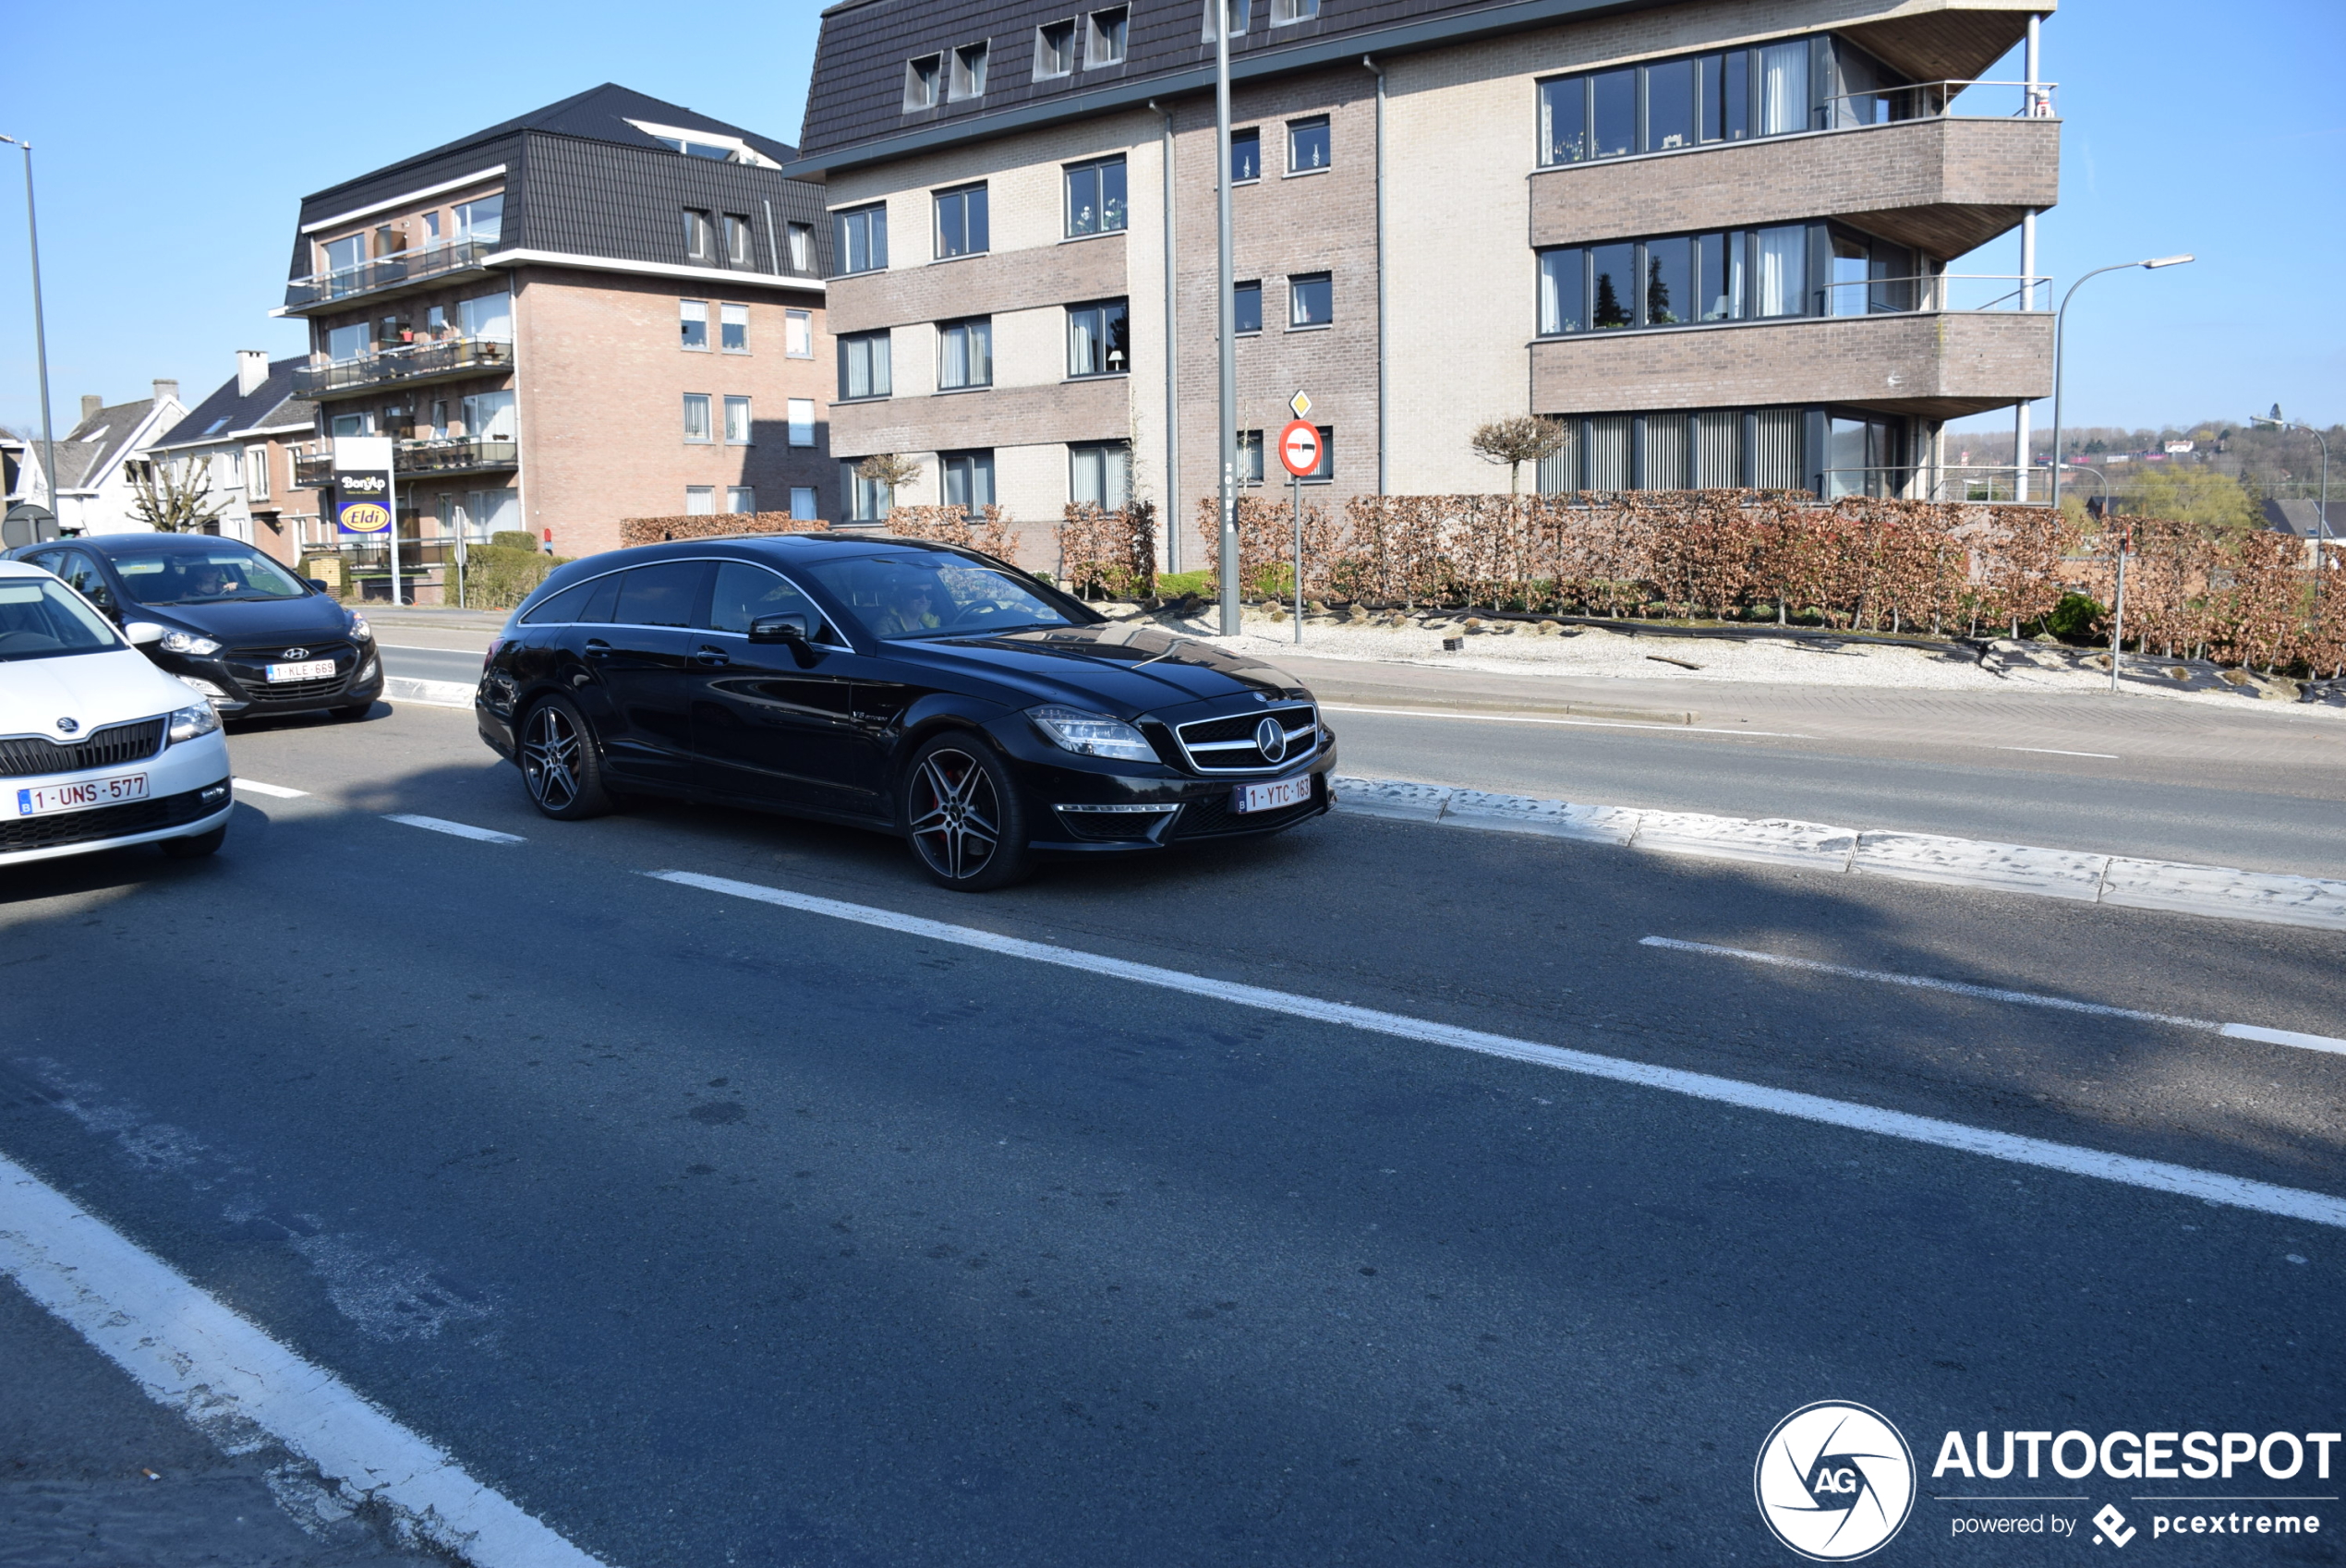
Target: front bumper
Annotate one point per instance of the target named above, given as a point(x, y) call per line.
point(232, 687)
point(187, 793)
point(1106, 808)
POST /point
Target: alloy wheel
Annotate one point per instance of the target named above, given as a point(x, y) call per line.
point(955, 814)
point(549, 756)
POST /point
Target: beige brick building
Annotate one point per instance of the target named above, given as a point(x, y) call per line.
point(1711, 237)
point(610, 308)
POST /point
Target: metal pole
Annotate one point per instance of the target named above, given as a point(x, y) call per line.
point(391, 483)
point(1383, 398)
point(1172, 371)
point(1298, 478)
point(2021, 440)
point(2118, 629)
point(2060, 346)
point(1230, 342)
point(40, 337)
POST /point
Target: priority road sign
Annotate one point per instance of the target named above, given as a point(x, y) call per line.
point(1300, 449)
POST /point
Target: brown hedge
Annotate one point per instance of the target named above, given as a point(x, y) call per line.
point(700, 526)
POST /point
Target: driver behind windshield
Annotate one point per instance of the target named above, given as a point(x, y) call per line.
point(943, 593)
point(223, 574)
point(905, 607)
point(206, 580)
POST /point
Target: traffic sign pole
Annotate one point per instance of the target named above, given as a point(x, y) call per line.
point(1300, 453)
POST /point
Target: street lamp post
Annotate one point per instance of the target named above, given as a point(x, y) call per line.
point(40, 328)
point(1229, 333)
point(2321, 513)
point(2060, 342)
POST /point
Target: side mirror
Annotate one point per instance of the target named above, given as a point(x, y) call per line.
point(320, 584)
point(779, 628)
point(141, 633)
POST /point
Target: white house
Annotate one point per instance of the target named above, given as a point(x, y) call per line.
point(98, 462)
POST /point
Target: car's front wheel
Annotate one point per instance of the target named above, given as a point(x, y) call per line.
point(962, 814)
point(559, 762)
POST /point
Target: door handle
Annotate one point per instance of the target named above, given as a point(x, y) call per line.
point(712, 656)
point(597, 648)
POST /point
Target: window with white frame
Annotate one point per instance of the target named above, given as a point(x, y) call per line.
point(492, 512)
point(696, 420)
point(741, 497)
point(483, 220)
point(700, 500)
point(802, 421)
point(487, 317)
point(692, 316)
point(256, 473)
point(347, 344)
point(489, 417)
point(965, 353)
point(798, 335)
point(737, 426)
point(345, 254)
point(732, 328)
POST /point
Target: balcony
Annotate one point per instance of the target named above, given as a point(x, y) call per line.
point(1933, 365)
point(406, 366)
point(1944, 184)
point(385, 275)
point(420, 459)
point(313, 471)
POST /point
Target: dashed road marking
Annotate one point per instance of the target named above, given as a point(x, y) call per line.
point(456, 830)
point(2156, 1175)
point(2057, 751)
point(1583, 723)
point(278, 791)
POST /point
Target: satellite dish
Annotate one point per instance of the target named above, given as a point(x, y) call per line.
point(27, 522)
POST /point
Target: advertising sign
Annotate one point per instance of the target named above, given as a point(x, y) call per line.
point(362, 484)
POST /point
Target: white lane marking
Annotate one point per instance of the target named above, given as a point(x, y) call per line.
point(1996, 994)
point(459, 829)
point(1585, 723)
point(2154, 1175)
point(193, 1355)
point(255, 785)
point(429, 693)
point(420, 648)
point(2285, 1037)
point(2057, 751)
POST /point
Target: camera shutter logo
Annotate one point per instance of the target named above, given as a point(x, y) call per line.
point(1834, 1481)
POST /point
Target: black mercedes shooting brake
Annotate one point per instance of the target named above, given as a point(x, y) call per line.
point(236, 626)
point(915, 688)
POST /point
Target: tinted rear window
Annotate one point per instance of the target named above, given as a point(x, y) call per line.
point(665, 595)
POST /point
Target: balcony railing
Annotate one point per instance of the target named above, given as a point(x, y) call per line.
point(1971, 482)
point(1935, 291)
point(313, 471)
point(1936, 100)
point(457, 455)
point(407, 363)
point(387, 272)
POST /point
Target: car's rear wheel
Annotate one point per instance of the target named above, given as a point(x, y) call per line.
point(196, 845)
point(962, 816)
point(559, 762)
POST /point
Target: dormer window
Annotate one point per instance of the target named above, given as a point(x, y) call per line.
point(1055, 49)
point(969, 71)
point(924, 78)
point(1285, 13)
point(737, 240)
point(699, 243)
point(1105, 44)
point(1239, 13)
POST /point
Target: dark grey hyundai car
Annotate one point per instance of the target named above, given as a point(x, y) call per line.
point(921, 690)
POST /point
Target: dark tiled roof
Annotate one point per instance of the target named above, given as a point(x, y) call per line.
point(79, 457)
point(226, 410)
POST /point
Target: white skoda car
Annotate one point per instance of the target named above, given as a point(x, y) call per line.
point(98, 747)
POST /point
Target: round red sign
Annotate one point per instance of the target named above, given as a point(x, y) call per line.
point(1300, 449)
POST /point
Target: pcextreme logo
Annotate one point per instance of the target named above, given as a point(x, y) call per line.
point(1834, 1481)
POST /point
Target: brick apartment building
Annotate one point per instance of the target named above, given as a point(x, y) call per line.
point(611, 307)
point(1711, 237)
point(242, 443)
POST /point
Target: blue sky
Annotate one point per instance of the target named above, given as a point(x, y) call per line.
point(173, 143)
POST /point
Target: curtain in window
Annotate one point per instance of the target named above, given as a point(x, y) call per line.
point(1099, 475)
point(1559, 472)
point(1718, 449)
point(489, 317)
point(1783, 88)
point(1783, 269)
point(1560, 294)
point(491, 511)
point(1609, 453)
point(489, 417)
point(1775, 456)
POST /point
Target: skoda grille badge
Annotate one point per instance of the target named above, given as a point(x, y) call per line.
point(68, 727)
point(1270, 740)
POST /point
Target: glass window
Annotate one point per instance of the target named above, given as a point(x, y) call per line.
point(1249, 457)
point(1105, 44)
point(1783, 268)
point(700, 500)
point(1783, 88)
point(1098, 340)
point(693, 314)
point(1246, 156)
point(1240, 12)
point(1847, 291)
point(257, 472)
point(1726, 96)
point(1894, 270)
point(741, 497)
point(922, 78)
point(802, 421)
point(733, 328)
point(868, 500)
point(736, 230)
point(1307, 145)
point(353, 425)
point(1311, 300)
point(798, 335)
point(1614, 96)
point(560, 608)
point(1284, 12)
point(968, 477)
point(1055, 49)
point(1095, 197)
point(1669, 298)
point(222, 571)
point(737, 423)
point(863, 239)
point(665, 594)
point(1246, 306)
point(347, 253)
point(743, 594)
point(1665, 453)
point(698, 244)
point(483, 220)
point(1564, 120)
point(1562, 299)
point(1670, 106)
point(1099, 474)
point(965, 353)
point(1718, 449)
point(487, 317)
point(1613, 269)
point(913, 594)
point(804, 505)
point(800, 238)
point(489, 417)
point(960, 221)
point(864, 368)
point(42, 619)
point(969, 72)
point(1326, 470)
point(1719, 263)
point(696, 427)
point(347, 344)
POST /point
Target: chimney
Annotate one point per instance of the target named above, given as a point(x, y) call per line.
point(91, 404)
point(166, 390)
point(252, 368)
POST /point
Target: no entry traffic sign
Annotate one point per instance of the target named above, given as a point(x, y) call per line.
point(1300, 449)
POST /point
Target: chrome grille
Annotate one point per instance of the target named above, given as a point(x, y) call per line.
point(1226, 744)
point(27, 756)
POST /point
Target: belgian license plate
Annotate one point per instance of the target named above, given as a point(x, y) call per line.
point(1271, 797)
point(307, 670)
point(42, 799)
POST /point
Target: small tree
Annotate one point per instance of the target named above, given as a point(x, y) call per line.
point(1525, 439)
point(891, 469)
point(175, 498)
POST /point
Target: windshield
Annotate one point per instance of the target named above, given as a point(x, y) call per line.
point(212, 576)
point(933, 596)
point(39, 620)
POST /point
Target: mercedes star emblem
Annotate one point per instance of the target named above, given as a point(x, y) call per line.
point(1270, 740)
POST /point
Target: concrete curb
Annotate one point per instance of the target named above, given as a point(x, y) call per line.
point(2217, 892)
point(431, 693)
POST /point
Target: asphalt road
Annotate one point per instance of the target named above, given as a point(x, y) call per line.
point(713, 1232)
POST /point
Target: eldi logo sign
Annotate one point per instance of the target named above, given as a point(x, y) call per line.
point(1834, 1481)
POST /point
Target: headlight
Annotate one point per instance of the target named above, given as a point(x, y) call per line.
point(189, 642)
point(1092, 734)
point(191, 723)
point(358, 627)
